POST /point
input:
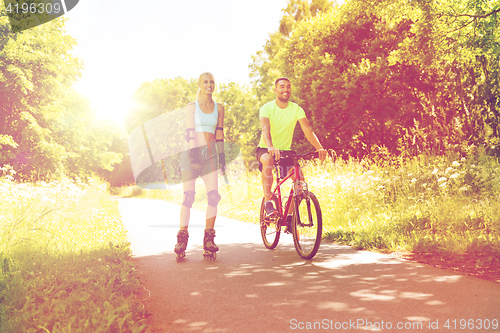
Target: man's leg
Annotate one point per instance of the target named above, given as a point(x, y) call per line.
point(267, 174)
point(292, 205)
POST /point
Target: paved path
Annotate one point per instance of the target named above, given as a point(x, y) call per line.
point(252, 289)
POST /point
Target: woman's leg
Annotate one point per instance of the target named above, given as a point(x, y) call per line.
point(211, 184)
point(188, 184)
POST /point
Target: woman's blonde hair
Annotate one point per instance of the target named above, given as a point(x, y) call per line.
point(199, 79)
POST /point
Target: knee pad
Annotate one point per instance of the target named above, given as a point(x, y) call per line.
point(188, 199)
point(213, 198)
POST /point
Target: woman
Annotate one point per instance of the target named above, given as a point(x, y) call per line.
point(205, 136)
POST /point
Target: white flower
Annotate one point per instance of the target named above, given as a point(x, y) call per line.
point(455, 164)
point(449, 170)
point(442, 179)
point(455, 175)
point(435, 171)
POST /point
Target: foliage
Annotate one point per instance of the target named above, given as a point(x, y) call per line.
point(441, 205)
point(241, 119)
point(157, 97)
point(64, 260)
point(47, 130)
point(413, 77)
point(264, 67)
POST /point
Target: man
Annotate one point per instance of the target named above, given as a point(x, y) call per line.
point(277, 121)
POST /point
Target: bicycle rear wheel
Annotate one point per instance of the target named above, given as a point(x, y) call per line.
point(269, 228)
point(307, 225)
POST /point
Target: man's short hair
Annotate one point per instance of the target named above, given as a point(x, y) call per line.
point(281, 78)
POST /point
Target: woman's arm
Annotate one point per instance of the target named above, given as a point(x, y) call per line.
point(190, 136)
point(219, 136)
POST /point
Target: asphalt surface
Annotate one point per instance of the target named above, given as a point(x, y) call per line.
point(252, 289)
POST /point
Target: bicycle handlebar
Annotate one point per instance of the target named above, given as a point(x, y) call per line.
point(285, 154)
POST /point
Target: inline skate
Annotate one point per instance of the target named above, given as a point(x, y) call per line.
point(180, 247)
point(209, 247)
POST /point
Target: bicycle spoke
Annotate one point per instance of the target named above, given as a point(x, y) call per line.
point(269, 229)
point(307, 236)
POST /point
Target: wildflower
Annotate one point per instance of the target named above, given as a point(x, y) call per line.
point(449, 170)
point(472, 166)
point(463, 189)
point(454, 176)
point(455, 164)
point(442, 179)
point(414, 180)
point(435, 171)
point(443, 185)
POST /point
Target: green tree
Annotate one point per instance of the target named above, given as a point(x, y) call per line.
point(87, 139)
point(411, 76)
point(264, 67)
point(46, 129)
point(351, 95)
point(241, 121)
point(36, 66)
point(156, 97)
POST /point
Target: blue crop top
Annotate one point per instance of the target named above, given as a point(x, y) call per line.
point(205, 122)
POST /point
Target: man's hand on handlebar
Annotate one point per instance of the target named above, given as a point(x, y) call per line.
point(322, 153)
point(275, 153)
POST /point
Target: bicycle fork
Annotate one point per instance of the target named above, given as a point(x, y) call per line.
point(309, 213)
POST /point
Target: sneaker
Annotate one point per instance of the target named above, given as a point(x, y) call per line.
point(270, 210)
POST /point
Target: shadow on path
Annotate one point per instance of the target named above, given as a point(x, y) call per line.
point(252, 289)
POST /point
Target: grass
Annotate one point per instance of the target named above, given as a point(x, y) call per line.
point(240, 200)
point(64, 261)
point(441, 205)
point(445, 206)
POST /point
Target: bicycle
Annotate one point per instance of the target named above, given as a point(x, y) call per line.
point(306, 223)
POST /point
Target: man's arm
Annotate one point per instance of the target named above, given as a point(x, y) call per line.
point(312, 138)
point(265, 125)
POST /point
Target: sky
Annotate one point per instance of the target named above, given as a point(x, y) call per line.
point(124, 45)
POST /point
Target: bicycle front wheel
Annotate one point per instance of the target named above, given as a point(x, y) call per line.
point(269, 229)
point(307, 225)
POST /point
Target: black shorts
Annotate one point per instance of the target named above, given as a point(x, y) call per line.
point(285, 163)
point(208, 160)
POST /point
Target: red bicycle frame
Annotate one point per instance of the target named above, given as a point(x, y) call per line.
point(279, 182)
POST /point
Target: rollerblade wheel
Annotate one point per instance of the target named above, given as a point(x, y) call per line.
point(180, 256)
point(210, 255)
